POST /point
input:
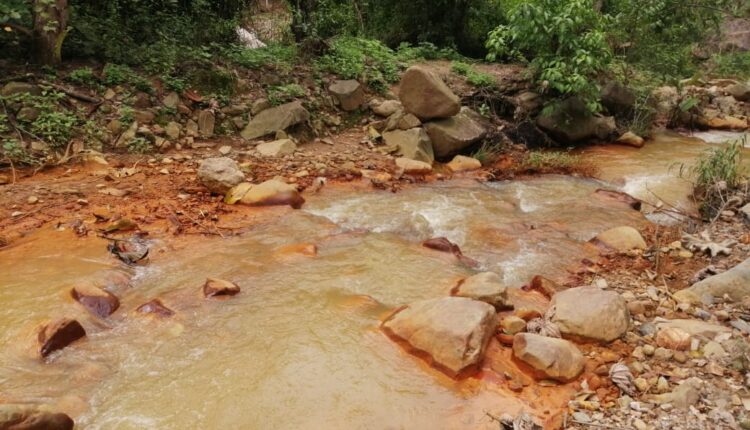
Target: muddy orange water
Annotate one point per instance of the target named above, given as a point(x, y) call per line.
point(300, 348)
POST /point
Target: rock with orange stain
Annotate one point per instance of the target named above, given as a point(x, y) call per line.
point(96, 300)
point(220, 288)
point(556, 359)
point(545, 286)
point(453, 331)
point(486, 287)
point(304, 249)
point(155, 308)
point(58, 335)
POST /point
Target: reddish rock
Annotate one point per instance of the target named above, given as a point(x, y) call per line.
point(59, 334)
point(155, 307)
point(545, 286)
point(218, 287)
point(619, 196)
point(96, 300)
point(443, 245)
point(22, 417)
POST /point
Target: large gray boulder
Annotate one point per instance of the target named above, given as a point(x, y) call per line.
point(454, 331)
point(275, 119)
point(734, 283)
point(572, 123)
point(350, 94)
point(220, 174)
point(413, 143)
point(425, 95)
point(590, 313)
point(554, 358)
point(451, 135)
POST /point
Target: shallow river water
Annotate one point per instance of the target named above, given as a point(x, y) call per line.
point(300, 348)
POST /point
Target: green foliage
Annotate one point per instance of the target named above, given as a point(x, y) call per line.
point(139, 145)
point(174, 84)
point(277, 56)
point(564, 42)
point(127, 115)
point(14, 150)
point(284, 93)
point(488, 152)
point(716, 174)
point(115, 74)
point(53, 124)
point(367, 60)
point(474, 77)
point(407, 52)
point(215, 81)
point(734, 64)
point(83, 76)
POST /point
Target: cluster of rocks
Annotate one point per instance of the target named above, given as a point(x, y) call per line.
point(722, 104)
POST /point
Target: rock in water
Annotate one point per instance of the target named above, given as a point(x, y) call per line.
point(413, 143)
point(218, 287)
point(556, 359)
point(155, 307)
point(451, 135)
point(220, 174)
point(59, 334)
point(426, 96)
point(572, 123)
point(621, 239)
point(129, 251)
point(23, 417)
point(96, 300)
point(631, 139)
point(486, 287)
point(350, 94)
point(590, 313)
point(275, 119)
point(454, 331)
point(270, 193)
point(734, 283)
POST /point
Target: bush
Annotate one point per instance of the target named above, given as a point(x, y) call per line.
point(83, 76)
point(278, 56)
point(367, 60)
point(284, 93)
point(115, 74)
point(716, 174)
point(736, 64)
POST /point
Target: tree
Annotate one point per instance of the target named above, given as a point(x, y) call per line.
point(44, 22)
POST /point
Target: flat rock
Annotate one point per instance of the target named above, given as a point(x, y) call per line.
point(269, 193)
point(693, 327)
point(349, 93)
point(414, 144)
point(218, 287)
point(621, 239)
point(426, 96)
point(275, 119)
point(451, 135)
point(96, 300)
point(461, 163)
point(220, 174)
point(59, 334)
point(277, 148)
point(590, 313)
point(555, 359)
point(486, 287)
point(386, 108)
point(453, 331)
point(734, 283)
point(413, 167)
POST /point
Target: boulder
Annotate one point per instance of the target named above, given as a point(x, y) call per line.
point(220, 174)
point(270, 193)
point(13, 88)
point(461, 163)
point(454, 331)
point(387, 108)
point(740, 92)
point(259, 106)
point(350, 94)
point(277, 148)
point(734, 283)
point(401, 121)
point(23, 417)
point(451, 135)
point(631, 139)
point(206, 123)
point(413, 167)
point(414, 144)
point(725, 122)
point(572, 123)
point(486, 287)
point(96, 300)
point(156, 308)
point(555, 359)
point(590, 313)
point(666, 100)
point(275, 119)
point(59, 334)
point(621, 239)
point(426, 96)
point(617, 98)
point(218, 287)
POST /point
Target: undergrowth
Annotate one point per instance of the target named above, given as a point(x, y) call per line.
point(473, 76)
point(556, 162)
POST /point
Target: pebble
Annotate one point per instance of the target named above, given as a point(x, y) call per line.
point(32, 200)
point(662, 385)
point(680, 357)
point(225, 150)
point(648, 350)
point(16, 214)
point(639, 424)
point(647, 329)
point(663, 354)
point(641, 384)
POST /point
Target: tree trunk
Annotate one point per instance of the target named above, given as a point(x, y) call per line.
point(50, 28)
point(302, 18)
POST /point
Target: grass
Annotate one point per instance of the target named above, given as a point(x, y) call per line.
point(546, 162)
point(474, 77)
point(488, 152)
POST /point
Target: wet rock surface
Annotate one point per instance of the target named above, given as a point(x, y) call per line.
point(220, 288)
point(156, 308)
point(58, 334)
point(22, 417)
point(96, 300)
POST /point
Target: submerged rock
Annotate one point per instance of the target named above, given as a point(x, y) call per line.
point(590, 313)
point(556, 359)
point(451, 135)
point(218, 287)
point(59, 334)
point(155, 307)
point(270, 193)
point(426, 96)
point(621, 239)
point(620, 197)
point(220, 174)
point(96, 300)
point(275, 119)
point(734, 283)
point(486, 287)
point(454, 331)
point(23, 417)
